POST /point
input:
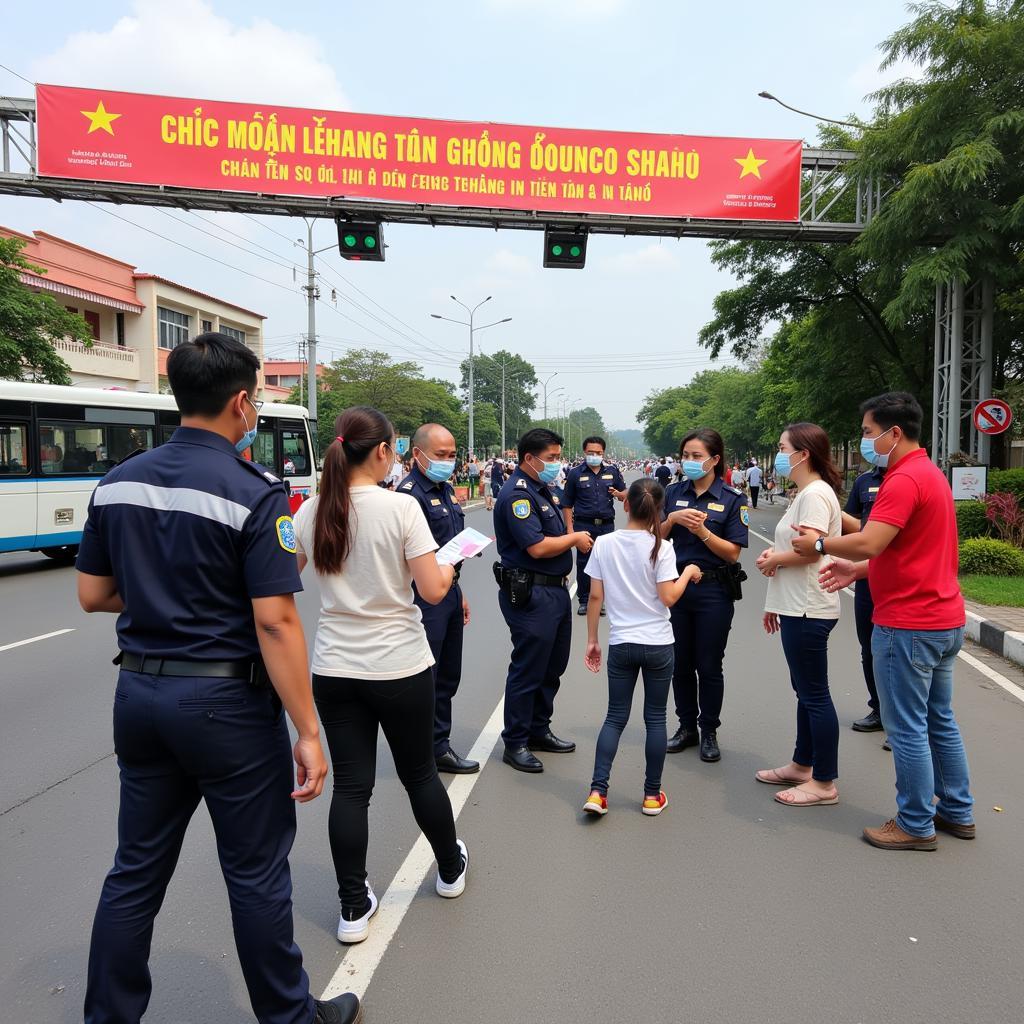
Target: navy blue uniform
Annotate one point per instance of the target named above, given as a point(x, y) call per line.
point(859, 504)
point(443, 622)
point(593, 510)
point(524, 515)
point(702, 617)
point(497, 477)
point(192, 532)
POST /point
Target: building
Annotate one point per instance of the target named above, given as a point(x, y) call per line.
point(282, 375)
point(135, 319)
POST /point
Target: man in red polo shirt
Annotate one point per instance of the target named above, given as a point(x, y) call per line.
point(908, 550)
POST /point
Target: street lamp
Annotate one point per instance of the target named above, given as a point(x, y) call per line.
point(568, 423)
point(848, 124)
point(546, 396)
point(544, 385)
point(469, 324)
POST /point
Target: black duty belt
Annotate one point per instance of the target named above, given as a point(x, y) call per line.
point(150, 665)
point(594, 522)
point(719, 574)
point(548, 581)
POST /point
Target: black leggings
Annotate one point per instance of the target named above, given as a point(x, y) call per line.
point(351, 710)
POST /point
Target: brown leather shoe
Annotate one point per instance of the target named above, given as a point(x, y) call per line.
point(960, 831)
point(891, 837)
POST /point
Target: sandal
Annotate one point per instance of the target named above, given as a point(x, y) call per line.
point(774, 777)
point(806, 798)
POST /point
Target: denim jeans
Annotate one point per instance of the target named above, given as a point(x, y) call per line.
point(625, 662)
point(805, 643)
point(914, 676)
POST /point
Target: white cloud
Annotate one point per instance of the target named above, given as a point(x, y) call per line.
point(505, 261)
point(594, 9)
point(867, 78)
point(185, 49)
point(652, 259)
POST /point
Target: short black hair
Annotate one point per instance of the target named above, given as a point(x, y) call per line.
point(204, 373)
point(595, 440)
point(896, 409)
point(538, 440)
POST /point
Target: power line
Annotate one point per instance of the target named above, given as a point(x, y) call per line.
point(15, 73)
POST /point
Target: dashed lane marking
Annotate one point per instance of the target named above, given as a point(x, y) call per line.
point(35, 639)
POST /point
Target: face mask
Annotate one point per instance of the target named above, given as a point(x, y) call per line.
point(694, 470)
point(870, 455)
point(438, 471)
point(782, 464)
point(594, 461)
point(548, 474)
point(249, 436)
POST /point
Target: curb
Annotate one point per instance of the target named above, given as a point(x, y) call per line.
point(997, 638)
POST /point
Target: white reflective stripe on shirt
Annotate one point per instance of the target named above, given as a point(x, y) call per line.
point(173, 499)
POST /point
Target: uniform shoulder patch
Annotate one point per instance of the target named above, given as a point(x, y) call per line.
point(285, 530)
point(556, 499)
point(521, 483)
point(407, 487)
point(270, 476)
point(261, 471)
point(744, 515)
point(731, 489)
point(521, 508)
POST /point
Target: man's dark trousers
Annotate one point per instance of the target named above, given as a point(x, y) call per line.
point(443, 624)
point(582, 557)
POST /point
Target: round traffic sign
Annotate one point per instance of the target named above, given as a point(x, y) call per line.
point(992, 416)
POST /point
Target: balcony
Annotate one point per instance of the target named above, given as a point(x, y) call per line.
point(99, 360)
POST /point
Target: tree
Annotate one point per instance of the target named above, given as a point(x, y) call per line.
point(30, 320)
point(520, 382)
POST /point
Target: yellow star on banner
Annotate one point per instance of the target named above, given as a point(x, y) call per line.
point(750, 164)
point(100, 119)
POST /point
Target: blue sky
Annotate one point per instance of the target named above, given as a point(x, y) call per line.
point(655, 66)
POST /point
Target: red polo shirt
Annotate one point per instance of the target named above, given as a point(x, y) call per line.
point(914, 580)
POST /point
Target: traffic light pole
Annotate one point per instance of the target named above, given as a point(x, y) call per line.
point(311, 296)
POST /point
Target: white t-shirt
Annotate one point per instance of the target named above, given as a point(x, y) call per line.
point(794, 589)
point(369, 627)
point(622, 562)
point(754, 476)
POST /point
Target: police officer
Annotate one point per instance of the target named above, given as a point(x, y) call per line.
point(855, 515)
point(535, 552)
point(707, 522)
point(433, 462)
point(193, 546)
point(589, 505)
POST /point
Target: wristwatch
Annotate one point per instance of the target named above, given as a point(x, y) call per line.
point(819, 545)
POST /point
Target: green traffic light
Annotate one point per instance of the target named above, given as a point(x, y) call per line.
point(556, 250)
point(350, 241)
point(370, 242)
point(574, 251)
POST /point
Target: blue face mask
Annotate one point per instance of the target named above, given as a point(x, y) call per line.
point(694, 470)
point(248, 437)
point(872, 457)
point(782, 464)
point(438, 471)
point(594, 461)
point(549, 474)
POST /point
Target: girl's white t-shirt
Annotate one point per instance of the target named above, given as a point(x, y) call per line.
point(369, 627)
point(622, 562)
point(794, 589)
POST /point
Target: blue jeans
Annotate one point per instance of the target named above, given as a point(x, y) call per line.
point(805, 643)
point(625, 661)
point(914, 676)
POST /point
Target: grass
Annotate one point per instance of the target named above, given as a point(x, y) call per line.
point(1004, 590)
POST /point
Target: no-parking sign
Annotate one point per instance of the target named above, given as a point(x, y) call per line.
point(992, 416)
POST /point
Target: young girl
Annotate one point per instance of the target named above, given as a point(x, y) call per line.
point(634, 576)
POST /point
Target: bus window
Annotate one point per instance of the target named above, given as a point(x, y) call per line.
point(263, 447)
point(88, 450)
point(13, 449)
point(295, 452)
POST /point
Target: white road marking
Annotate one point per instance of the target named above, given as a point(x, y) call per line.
point(1000, 680)
point(357, 967)
point(34, 639)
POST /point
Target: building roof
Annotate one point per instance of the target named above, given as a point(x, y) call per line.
point(285, 367)
point(195, 291)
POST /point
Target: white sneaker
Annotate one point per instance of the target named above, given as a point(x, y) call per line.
point(450, 890)
point(351, 932)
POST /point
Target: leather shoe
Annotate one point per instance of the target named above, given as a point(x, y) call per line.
point(582, 610)
point(551, 743)
point(891, 837)
point(343, 1009)
point(871, 722)
point(709, 748)
point(954, 828)
point(451, 763)
point(522, 760)
point(682, 739)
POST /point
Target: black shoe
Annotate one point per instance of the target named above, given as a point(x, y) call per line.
point(451, 763)
point(551, 743)
point(709, 747)
point(871, 722)
point(683, 738)
point(582, 610)
point(343, 1009)
point(522, 760)
point(603, 612)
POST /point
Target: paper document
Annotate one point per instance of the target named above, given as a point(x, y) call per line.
point(463, 545)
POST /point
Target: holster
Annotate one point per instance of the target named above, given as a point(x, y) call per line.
point(733, 581)
point(515, 584)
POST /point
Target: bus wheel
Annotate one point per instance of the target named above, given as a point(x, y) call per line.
point(66, 553)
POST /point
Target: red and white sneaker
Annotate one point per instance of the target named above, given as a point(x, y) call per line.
point(654, 804)
point(596, 803)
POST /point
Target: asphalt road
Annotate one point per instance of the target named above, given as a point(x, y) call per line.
point(728, 907)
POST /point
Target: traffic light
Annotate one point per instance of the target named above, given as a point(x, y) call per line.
point(362, 241)
point(565, 249)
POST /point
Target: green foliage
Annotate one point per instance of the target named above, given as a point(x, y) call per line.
point(1009, 480)
point(999, 590)
point(28, 322)
point(579, 424)
point(984, 556)
point(971, 520)
point(629, 444)
point(520, 384)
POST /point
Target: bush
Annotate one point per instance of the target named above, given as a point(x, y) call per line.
point(1011, 480)
point(986, 557)
point(971, 520)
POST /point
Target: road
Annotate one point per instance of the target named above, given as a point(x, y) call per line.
point(728, 907)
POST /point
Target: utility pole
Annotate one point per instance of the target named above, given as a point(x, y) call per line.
point(502, 406)
point(302, 371)
point(544, 384)
point(312, 294)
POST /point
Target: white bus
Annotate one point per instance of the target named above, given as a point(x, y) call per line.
point(57, 442)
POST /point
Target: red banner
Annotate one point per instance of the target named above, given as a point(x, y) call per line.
point(97, 135)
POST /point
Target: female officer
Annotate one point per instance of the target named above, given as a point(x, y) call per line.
point(706, 520)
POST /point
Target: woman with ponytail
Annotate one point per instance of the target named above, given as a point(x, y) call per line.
point(371, 661)
point(634, 576)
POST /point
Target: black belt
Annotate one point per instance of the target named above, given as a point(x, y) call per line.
point(548, 581)
point(720, 574)
point(150, 665)
point(594, 522)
